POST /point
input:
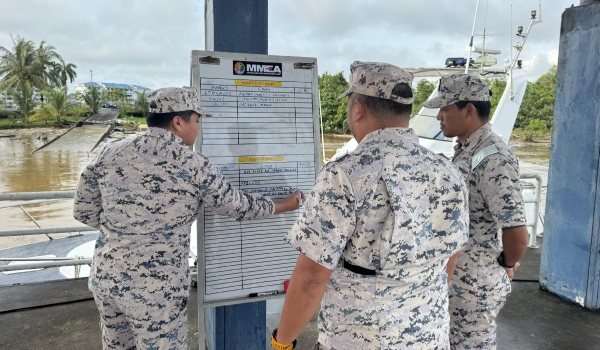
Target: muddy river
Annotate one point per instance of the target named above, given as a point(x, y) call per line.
point(57, 168)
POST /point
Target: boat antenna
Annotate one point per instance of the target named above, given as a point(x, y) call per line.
point(523, 35)
point(471, 44)
point(483, 45)
point(511, 55)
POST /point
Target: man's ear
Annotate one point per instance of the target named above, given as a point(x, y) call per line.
point(471, 111)
point(361, 110)
point(176, 123)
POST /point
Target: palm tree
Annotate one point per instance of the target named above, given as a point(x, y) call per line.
point(56, 106)
point(20, 65)
point(141, 104)
point(36, 65)
point(45, 56)
point(23, 97)
point(64, 71)
point(57, 100)
point(93, 99)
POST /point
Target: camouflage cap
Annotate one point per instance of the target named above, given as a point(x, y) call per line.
point(459, 87)
point(378, 79)
point(172, 99)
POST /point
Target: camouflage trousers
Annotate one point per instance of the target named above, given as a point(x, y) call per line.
point(477, 293)
point(143, 323)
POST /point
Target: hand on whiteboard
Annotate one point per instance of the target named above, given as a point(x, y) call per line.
point(291, 202)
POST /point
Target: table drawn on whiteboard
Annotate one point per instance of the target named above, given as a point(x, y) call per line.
point(263, 138)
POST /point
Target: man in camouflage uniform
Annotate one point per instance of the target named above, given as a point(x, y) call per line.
point(498, 235)
point(377, 230)
point(144, 194)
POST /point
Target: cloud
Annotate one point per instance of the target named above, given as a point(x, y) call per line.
point(148, 42)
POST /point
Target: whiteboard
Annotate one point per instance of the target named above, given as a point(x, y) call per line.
point(264, 138)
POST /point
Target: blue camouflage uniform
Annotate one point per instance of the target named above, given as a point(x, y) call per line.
point(479, 286)
point(385, 218)
point(396, 208)
point(144, 194)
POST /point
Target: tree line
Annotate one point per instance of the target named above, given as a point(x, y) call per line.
point(29, 69)
point(535, 114)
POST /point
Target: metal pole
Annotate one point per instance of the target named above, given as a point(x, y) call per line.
point(44, 265)
point(38, 259)
point(234, 26)
point(536, 208)
point(471, 44)
point(24, 196)
point(32, 219)
point(43, 231)
point(322, 133)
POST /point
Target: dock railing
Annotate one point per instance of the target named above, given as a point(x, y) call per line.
point(42, 262)
point(536, 208)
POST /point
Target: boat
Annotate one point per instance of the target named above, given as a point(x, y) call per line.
point(503, 120)
point(427, 127)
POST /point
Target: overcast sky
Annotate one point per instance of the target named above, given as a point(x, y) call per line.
point(148, 42)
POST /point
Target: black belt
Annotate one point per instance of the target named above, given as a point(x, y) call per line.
point(359, 270)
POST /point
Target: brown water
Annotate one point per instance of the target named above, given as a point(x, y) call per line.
point(54, 168)
point(535, 153)
point(57, 168)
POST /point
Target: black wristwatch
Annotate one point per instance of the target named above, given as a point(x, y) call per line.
point(500, 261)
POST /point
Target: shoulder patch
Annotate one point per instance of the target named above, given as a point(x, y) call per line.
point(481, 155)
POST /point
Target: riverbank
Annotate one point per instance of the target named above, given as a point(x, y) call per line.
point(35, 135)
point(535, 152)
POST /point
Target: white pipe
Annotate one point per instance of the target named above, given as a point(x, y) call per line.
point(43, 231)
point(536, 208)
point(24, 196)
point(42, 265)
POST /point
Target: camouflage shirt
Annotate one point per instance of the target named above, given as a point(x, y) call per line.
point(144, 194)
point(495, 199)
point(397, 208)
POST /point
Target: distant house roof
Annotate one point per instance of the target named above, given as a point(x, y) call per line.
point(115, 85)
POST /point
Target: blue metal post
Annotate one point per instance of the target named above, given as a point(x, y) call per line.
point(570, 265)
point(238, 26)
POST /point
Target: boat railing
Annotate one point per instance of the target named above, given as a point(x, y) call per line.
point(536, 200)
point(41, 262)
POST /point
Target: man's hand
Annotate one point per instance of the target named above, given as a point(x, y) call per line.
point(514, 241)
point(290, 203)
point(307, 286)
point(451, 266)
point(511, 272)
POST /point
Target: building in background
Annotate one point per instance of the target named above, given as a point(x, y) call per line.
point(130, 90)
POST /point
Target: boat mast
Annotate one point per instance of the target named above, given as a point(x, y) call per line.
point(519, 45)
point(471, 44)
point(483, 45)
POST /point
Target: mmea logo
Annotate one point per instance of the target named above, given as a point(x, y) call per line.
point(257, 68)
point(239, 68)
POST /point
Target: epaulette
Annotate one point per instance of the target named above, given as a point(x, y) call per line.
point(481, 155)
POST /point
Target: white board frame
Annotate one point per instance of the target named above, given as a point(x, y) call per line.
point(195, 79)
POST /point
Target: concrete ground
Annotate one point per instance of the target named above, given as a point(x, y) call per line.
point(61, 315)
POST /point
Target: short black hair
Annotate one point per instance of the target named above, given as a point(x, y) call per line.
point(162, 120)
point(385, 108)
point(483, 108)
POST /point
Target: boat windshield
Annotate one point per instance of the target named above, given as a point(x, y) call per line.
point(427, 126)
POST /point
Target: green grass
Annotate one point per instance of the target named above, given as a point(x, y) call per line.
point(18, 123)
point(531, 136)
point(134, 120)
